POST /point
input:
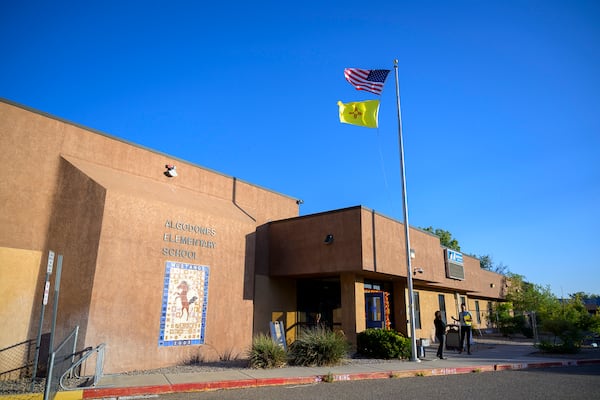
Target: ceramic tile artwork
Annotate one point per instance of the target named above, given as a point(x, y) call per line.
point(185, 298)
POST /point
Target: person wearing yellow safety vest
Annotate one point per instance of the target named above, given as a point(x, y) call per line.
point(466, 321)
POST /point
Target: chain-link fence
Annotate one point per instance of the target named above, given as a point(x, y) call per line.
point(16, 360)
point(16, 365)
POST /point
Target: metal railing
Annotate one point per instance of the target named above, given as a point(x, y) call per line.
point(60, 361)
point(74, 371)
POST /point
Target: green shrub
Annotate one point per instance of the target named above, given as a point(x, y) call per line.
point(557, 348)
point(265, 353)
point(318, 347)
point(567, 336)
point(383, 343)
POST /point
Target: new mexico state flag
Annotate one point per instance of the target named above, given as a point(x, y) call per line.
point(361, 113)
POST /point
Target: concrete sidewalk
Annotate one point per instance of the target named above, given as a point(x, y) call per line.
point(487, 355)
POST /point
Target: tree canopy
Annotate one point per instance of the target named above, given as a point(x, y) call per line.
point(526, 296)
point(584, 296)
point(486, 262)
point(446, 238)
point(566, 319)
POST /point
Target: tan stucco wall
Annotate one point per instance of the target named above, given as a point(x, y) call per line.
point(353, 306)
point(276, 303)
point(371, 246)
point(102, 203)
point(19, 271)
point(297, 245)
point(429, 304)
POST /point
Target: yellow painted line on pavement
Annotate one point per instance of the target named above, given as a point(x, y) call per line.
point(70, 395)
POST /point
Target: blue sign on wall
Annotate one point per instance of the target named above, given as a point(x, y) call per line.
point(454, 256)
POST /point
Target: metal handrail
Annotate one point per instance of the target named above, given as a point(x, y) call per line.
point(98, 372)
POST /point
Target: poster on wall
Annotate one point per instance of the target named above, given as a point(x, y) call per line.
point(185, 298)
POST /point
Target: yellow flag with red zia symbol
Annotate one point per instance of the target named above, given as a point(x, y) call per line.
point(361, 113)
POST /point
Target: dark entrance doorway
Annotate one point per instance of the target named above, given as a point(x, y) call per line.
point(319, 303)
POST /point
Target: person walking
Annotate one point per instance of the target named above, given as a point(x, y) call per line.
point(466, 321)
point(440, 333)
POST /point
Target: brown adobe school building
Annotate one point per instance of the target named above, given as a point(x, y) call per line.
point(164, 268)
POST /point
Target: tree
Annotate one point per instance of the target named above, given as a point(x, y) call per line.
point(567, 320)
point(486, 262)
point(570, 325)
point(584, 296)
point(446, 238)
point(523, 298)
point(526, 296)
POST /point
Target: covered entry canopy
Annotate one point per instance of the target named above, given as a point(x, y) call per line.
point(360, 241)
point(365, 252)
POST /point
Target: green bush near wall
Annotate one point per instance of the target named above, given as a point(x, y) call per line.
point(383, 343)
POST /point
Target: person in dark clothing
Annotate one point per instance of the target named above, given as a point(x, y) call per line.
point(440, 333)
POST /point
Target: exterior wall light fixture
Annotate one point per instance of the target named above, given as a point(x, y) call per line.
point(171, 171)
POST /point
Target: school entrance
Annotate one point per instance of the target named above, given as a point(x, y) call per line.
point(319, 303)
point(378, 305)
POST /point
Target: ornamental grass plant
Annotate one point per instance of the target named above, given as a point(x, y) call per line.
point(265, 353)
point(318, 346)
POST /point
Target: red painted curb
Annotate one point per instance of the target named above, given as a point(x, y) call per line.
point(287, 381)
point(588, 362)
point(504, 367)
point(363, 375)
point(128, 391)
point(101, 393)
point(202, 386)
point(547, 364)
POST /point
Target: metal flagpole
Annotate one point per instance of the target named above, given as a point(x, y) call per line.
point(406, 227)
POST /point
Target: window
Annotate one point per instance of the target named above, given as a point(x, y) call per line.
point(477, 311)
point(442, 306)
point(372, 285)
point(417, 306)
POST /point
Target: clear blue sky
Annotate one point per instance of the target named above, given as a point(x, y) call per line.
point(500, 106)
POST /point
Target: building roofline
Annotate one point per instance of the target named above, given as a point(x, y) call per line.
point(112, 137)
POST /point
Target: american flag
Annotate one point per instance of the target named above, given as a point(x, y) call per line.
point(371, 80)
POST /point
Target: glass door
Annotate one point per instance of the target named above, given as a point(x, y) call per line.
point(374, 310)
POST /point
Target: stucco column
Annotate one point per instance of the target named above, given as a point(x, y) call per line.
point(401, 307)
point(353, 306)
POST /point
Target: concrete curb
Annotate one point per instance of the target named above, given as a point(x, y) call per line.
point(123, 392)
point(115, 393)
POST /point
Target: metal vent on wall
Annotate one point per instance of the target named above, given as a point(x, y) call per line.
point(454, 264)
point(455, 271)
